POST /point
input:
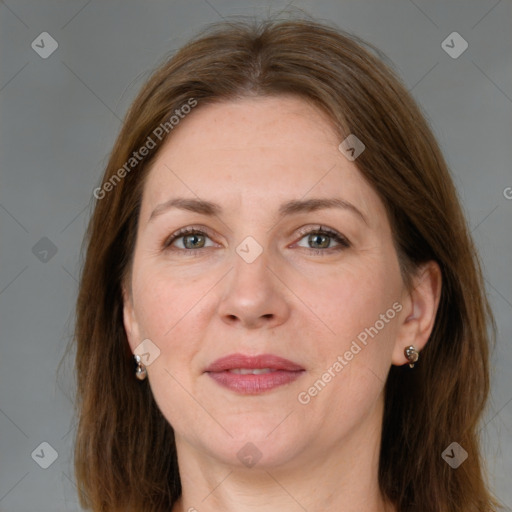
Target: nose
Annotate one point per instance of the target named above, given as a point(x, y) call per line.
point(254, 297)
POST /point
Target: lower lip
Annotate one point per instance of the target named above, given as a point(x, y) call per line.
point(254, 384)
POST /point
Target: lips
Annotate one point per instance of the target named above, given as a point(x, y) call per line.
point(253, 374)
point(239, 361)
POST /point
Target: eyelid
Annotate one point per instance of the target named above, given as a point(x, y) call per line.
point(306, 230)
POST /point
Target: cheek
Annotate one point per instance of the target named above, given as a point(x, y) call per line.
point(173, 312)
point(161, 311)
point(168, 310)
point(352, 299)
point(350, 372)
point(357, 306)
point(166, 301)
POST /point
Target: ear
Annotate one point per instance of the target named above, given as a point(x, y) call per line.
point(131, 325)
point(419, 311)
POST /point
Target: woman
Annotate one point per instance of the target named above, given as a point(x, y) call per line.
point(281, 307)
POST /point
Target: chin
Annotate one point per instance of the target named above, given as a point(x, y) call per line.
point(258, 446)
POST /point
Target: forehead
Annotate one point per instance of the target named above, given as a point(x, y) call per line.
point(253, 150)
point(254, 121)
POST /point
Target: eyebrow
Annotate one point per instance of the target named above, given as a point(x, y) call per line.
point(292, 207)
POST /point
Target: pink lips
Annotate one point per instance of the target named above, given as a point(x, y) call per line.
point(234, 372)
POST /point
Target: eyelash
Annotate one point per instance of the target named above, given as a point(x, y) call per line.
point(321, 230)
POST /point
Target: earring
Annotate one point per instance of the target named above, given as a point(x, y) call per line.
point(141, 373)
point(412, 355)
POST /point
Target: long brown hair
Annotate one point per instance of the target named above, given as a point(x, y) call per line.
point(125, 456)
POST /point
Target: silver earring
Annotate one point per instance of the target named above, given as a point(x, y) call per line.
point(140, 372)
point(412, 355)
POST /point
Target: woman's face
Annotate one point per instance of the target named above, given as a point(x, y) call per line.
point(256, 278)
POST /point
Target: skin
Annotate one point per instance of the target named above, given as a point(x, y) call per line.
point(293, 300)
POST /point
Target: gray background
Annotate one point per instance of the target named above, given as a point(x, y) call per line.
point(59, 119)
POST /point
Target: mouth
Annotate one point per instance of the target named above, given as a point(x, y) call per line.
point(250, 371)
point(251, 375)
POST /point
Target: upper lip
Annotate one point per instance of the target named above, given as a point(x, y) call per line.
point(234, 361)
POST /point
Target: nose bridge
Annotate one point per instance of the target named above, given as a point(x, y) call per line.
point(251, 276)
point(252, 294)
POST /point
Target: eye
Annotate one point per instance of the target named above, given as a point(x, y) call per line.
point(187, 239)
point(192, 239)
point(320, 240)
